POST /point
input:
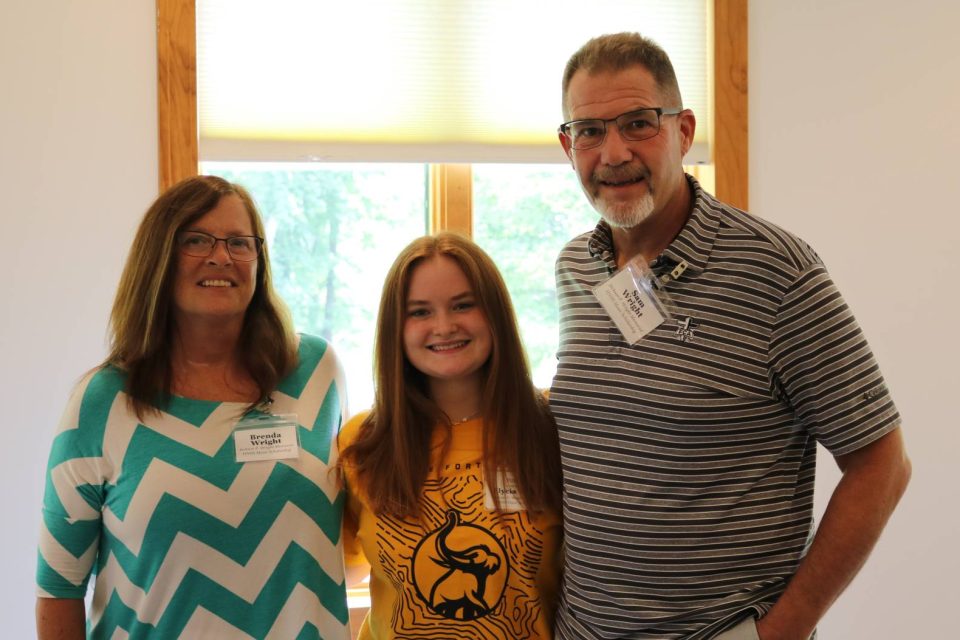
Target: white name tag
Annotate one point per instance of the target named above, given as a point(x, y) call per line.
point(266, 438)
point(507, 492)
point(632, 306)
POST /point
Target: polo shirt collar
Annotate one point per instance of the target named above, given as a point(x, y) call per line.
point(694, 243)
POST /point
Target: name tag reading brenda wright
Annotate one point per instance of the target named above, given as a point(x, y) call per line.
point(266, 438)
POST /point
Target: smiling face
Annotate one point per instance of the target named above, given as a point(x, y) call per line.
point(216, 287)
point(627, 181)
point(445, 334)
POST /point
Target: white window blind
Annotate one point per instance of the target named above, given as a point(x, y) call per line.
point(415, 80)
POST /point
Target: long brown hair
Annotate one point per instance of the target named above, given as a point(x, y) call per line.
point(391, 453)
point(142, 320)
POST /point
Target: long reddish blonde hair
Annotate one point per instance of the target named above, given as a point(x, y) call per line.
point(391, 453)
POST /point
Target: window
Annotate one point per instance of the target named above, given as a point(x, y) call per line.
point(461, 59)
point(475, 71)
point(414, 80)
point(521, 213)
point(333, 231)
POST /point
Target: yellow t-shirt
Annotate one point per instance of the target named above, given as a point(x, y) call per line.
point(465, 571)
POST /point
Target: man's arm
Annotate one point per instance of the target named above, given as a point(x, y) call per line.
point(874, 478)
point(61, 619)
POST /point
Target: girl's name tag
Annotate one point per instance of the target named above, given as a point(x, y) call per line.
point(507, 492)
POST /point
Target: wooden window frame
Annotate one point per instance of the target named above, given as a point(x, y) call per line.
point(451, 184)
point(178, 127)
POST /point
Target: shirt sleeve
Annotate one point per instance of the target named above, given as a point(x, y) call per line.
point(822, 364)
point(73, 496)
point(353, 555)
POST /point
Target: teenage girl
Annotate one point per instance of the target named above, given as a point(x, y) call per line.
point(453, 476)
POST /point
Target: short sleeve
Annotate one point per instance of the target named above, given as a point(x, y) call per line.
point(822, 364)
point(353, 555)
point(73, 496)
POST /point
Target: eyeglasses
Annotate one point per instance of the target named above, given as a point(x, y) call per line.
point(634, 125)
point(200, 245)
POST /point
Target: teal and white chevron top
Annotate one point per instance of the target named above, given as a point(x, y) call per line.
point(185, 541)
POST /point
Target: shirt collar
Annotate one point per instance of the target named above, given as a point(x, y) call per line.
point(693, 244)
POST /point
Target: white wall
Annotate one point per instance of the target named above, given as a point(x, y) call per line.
point(854, 108)
point(77, 170)
point(828, 81)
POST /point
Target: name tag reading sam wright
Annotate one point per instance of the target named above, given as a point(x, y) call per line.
point(630, 302)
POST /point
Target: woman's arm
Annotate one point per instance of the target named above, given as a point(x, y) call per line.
point(61, 619)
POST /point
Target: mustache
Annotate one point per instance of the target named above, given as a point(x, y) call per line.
point(620, 173)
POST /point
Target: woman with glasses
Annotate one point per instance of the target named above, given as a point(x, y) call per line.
point(190, 470)
point(453, 477)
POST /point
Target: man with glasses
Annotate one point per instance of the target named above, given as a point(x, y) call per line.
point(704, 353)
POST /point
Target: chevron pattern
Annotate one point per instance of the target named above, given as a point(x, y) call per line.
point(185, 541)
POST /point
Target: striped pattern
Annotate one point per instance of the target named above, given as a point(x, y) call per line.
point(185, 541)
point(689, 458)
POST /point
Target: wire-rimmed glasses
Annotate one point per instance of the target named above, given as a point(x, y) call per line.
point(636, 125)
point(200, 245)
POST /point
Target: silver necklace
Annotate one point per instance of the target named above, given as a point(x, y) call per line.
point(476, 414)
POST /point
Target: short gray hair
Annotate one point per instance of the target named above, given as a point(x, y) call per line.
point(618, 51)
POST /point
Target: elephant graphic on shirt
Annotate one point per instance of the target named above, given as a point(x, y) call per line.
point(460, 569)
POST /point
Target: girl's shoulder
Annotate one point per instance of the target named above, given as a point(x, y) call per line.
point(350, 430)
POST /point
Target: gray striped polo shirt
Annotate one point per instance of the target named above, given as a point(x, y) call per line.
point(689, 457)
